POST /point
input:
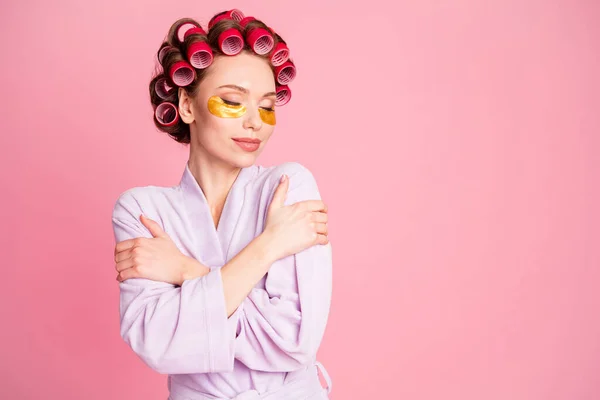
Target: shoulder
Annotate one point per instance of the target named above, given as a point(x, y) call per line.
point(136, 200)
point(297, 172)
point(302, 182)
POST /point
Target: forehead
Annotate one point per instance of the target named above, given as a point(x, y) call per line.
point(248, 71)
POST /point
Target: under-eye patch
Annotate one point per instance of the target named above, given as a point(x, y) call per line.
point(220, 108)
point(268, 116)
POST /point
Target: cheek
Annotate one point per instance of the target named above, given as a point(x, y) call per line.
point(214, 131)
point(267, 131)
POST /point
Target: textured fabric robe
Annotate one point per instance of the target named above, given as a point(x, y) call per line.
point(185, 332)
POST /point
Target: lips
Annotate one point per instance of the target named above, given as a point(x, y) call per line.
point(247, 140)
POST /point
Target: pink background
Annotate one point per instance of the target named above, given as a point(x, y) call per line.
point(456, 145)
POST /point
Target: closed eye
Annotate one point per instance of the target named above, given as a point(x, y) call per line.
point(230, 103)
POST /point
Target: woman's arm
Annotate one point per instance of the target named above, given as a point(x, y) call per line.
point(280, 328)
point(174, 330)
point(242, 272)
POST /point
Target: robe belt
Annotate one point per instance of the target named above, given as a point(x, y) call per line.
point(297, 385)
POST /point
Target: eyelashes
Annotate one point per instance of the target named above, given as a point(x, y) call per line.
point(235, 104)
point(230, 103)
point(230, 109)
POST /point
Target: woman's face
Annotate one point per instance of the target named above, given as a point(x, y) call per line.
point(235, 100)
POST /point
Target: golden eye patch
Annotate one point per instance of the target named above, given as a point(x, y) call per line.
point(268, 116)
point(220, 108)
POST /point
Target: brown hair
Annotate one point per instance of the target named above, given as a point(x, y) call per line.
point(180, 131)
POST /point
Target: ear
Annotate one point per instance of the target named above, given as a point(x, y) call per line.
point(186, 110)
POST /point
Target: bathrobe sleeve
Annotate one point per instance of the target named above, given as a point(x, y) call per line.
point(280, 327)
point(174, 330)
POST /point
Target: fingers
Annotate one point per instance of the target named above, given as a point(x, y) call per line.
point(318, 216)
point(322, 239)
point(129, 243)
point(127, 274)
point(321, 228)
point(152, 226)
point(132, 247)
point(314, 205)
point(124, 264)
point(280, 194)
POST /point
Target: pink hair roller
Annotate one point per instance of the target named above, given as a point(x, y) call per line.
point(166, 114)
point(194, 30)
point(280, 54)
point(231, 42)
point(182, 73)
point(162, 88)
point(260, 40)
point(283, 96)
point(234, 14)
point(162, 52)
point(200, 55)
point(285, 73)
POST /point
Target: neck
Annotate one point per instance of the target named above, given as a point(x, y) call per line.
point(215, 178)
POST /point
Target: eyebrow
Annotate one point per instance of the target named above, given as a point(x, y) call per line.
point(244, 90)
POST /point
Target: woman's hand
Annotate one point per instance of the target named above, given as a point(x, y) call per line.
point(296, 227)
point(156, 258)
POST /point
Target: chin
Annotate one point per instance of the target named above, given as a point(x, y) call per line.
point(240, 160)
point(245, 161)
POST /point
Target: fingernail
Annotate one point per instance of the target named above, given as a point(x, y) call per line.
point(283, 178)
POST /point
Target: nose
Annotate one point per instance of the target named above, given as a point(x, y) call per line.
point(252, 119)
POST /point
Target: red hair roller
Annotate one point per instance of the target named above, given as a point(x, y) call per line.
point(163, 50)
point(285, 73)
point(200, 54)
point(280, 54)
point(283, 96)
point(194, 30)
point(184, 28)
point(231, 42)
point(260, 40)
point(166, 114)
point(162, 88)
point(234, 14)
point(245, 21)
point(182, 73)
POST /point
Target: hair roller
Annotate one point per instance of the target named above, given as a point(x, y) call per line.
point(260, 40)
point(245, 21)
point(280, 54)
point(234, 14)
point(231, 42)
point(196, 30)
point(166, 114)
point(200, 54)
point(283, 96)
point(163, 51)
point(162, 88)
point(285, 73)
point(182, 73)
point(184, 28)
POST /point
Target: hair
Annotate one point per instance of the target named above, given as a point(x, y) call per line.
point(173, 50)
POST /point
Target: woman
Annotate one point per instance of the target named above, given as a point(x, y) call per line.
point(225, 279)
